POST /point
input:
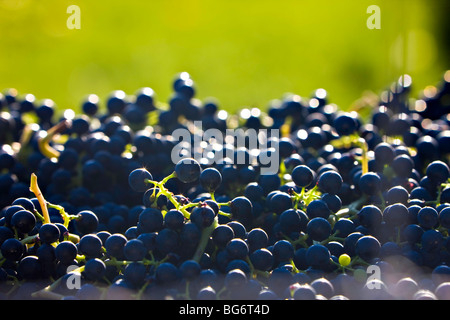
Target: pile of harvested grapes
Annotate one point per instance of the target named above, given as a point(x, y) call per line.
point(141, 199)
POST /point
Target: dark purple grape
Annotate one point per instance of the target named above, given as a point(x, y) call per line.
point(137, 179)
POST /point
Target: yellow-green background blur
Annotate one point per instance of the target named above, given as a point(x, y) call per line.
point(243, 53)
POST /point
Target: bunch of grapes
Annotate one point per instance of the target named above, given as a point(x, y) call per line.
point(94, 207)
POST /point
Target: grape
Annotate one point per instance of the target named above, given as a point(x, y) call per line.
point(49, 233)
point(395, 214)
point(444, 217)
point(257, 238)
point(134, 250)
point(333, 202)
point(344, 259)
point(114, 246)
point(397, 194)
point(384, 153)
point(318, 256)
point(134, 274)
point(150, 220)
point(26, 203)
point(222, 235)
point(210, 179)
point(367, 247)
point(318, 209)
point(174, 219)
point(94, 269)
point(323, 287)
point(280, 202)
point(188, 170)
point(88, 292)
point(370, 216)
point(12, 249)
point(304, 292)
point(262, 259)
point(190, 269)
point(87, 222)
point(166, 241)
point(206, 293)
point(23, 221)
point(66, 252)
point(442, 291)
point(318, 229)
point(438, 172)
point(345, 124)
point(330, 182)
point(237, 248)
point(235, 279)
point(428, 218)
point(343, 227)
point(166, 273)
point(403, 165)
point(90, 245)
point(370, 183)
point(202, 216)
point(302, 175)
point(283, 250)
point(293, 220)
point(242, 210)
point(137, 179)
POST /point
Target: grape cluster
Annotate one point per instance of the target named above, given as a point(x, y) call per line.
point(93, 207)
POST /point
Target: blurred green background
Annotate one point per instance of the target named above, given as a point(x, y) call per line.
point(243, 53)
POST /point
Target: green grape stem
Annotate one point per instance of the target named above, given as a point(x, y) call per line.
point(365, 158)
point(66, 217)
point(352, 209)
point(332, 237)
point(170, 196)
